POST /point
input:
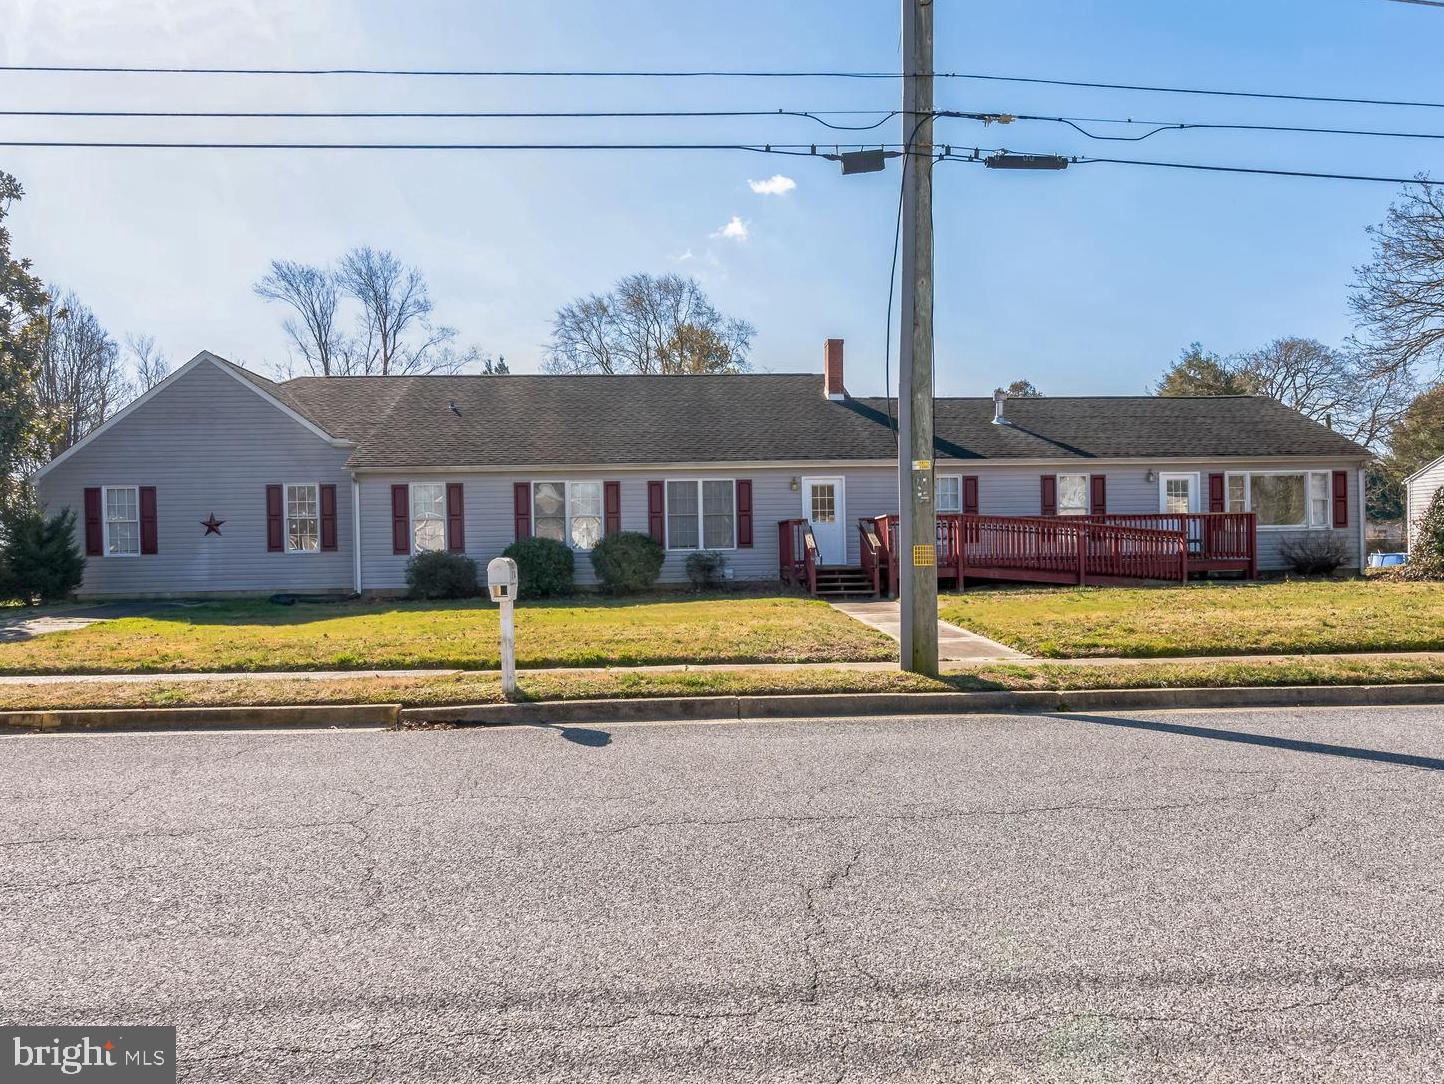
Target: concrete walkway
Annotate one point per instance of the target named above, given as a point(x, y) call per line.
point(954, 644)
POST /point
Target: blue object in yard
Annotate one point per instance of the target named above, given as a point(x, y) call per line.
point(1385, 560)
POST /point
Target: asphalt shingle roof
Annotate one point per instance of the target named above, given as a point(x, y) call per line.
point(495, 421)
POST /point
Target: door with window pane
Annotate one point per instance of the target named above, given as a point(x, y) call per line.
point(1178, 496)
point(822, 506)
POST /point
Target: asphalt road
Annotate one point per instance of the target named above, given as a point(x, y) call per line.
point(1212, 896)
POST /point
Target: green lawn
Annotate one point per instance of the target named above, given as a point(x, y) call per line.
point(441, 689)
point(1272, 617)
point(258, 635)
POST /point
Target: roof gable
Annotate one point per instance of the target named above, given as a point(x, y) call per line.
point(254, 382)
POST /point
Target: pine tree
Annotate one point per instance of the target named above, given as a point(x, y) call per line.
point(40, 561)
point(1426, 554)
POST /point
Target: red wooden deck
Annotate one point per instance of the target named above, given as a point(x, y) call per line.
point(1071, 549)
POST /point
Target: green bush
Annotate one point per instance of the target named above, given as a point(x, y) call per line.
point(441, 575)
point(706, 569)
point(628, 562)
point(40, 560)
point(1426, 554)
point(544, 567)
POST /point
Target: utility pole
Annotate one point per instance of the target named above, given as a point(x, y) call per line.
point(918, 581)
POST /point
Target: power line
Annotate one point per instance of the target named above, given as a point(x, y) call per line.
point(818, 115)
point(1166, 126)
point(804, 149)
point(1205, 167)
point(551, 73)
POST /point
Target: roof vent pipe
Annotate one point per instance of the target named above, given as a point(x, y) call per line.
point(999, 398)
point(451, 405)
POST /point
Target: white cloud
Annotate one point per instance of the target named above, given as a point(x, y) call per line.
point(735, 230)
point(683, 257)
point(776, 185)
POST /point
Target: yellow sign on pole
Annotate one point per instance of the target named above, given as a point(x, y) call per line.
point(925, 556)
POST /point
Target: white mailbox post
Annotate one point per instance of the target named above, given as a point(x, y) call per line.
point(501, 579)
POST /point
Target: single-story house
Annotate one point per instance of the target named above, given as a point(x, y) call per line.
point(221, 481)
point(1419, 490)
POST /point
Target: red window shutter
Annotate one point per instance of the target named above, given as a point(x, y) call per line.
point(275, 519)
point(1098, 494)
point(1341, 498)
point(94, 533)
point(400, 519)
point(657, 511)
point(1048, 498)
point(1217, 496)
point(149, 535)
point(455, 517)
point(521, 508)
point(744, 512)
point(328, 517)
point(612, 507)
point(970, 494)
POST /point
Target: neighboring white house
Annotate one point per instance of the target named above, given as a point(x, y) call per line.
point(1419, 490)
point(221, 481)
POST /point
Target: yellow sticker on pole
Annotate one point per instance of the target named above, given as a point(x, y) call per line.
point(922, 464)
point(925, 556)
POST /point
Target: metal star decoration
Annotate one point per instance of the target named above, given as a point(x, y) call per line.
point(212, 525)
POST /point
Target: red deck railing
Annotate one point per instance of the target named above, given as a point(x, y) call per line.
point(1072, 549)
point(797, 554)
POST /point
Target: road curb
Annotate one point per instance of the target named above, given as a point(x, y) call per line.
point(835, 704)
point(260, 718)
point(721, 708)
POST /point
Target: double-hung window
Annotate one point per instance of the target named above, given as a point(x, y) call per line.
point(303, 518)
point(569, 512)
point(1072, 494)
point(1283, 498)
point(122, 521)
point(428, 517)
point(948, 492)
point(702, 514)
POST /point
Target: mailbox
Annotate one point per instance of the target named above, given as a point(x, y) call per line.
point(501, 578)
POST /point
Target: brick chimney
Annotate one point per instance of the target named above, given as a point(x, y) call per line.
point(832, 370)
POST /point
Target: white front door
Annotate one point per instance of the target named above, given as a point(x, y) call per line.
point(823, 505)
point(1177, 493)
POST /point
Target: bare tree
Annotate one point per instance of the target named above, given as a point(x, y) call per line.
point(312, 294)
point(1399, 295)
point(397, 336)
point(81, 381)
point(150, 364)
point(648, 324)
point(1023, 389)
point(1327, 385)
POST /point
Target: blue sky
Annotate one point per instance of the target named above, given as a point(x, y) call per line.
point(1088, 281)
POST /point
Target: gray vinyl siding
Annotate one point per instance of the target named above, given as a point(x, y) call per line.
point(490, 523)
point(209, 445)
point(1420, 492)
point(870, 491)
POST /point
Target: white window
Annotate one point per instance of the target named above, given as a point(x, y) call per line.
point(1072, 494)
point(569, 512)
point(1319, 508)
point(949, 492)
point(303, 518)
point(702, 514)
point(584, 515)
point(1238, 492)
point(122, 521)
point(1283, 498)
point(428, 517)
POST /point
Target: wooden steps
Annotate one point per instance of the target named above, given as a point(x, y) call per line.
point(841, 581)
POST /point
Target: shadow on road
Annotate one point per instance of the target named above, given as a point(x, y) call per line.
point(1352, 752)
point(578, 735)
